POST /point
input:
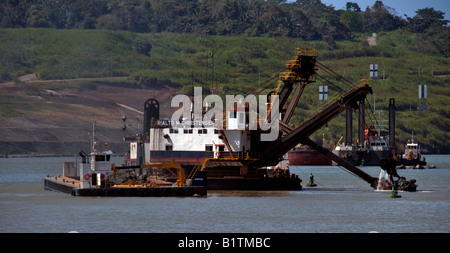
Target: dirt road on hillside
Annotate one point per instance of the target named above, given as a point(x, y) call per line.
point(372, 40)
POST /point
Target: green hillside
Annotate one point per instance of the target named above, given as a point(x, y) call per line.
point(237, 65)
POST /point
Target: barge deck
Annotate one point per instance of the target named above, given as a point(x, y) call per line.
point(72, 186)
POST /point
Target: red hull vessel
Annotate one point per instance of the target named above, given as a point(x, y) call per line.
point(304, 155)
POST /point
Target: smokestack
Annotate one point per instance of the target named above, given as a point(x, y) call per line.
point(392, 123)
point(362, 122)
point(151, 111)
point(348, 133)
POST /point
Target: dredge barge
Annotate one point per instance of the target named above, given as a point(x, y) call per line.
point(232, 153)
point(98, 176)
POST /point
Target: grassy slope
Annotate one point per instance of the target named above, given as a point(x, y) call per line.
point(241, 66)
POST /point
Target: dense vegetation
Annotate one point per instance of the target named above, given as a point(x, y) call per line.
point(305, 19)
point(189, 50)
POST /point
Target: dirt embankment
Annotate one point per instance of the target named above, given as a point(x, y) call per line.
point(40, 121)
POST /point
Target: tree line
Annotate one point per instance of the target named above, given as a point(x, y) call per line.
point(305, 19)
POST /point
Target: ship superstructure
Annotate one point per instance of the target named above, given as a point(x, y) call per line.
point(412, 157)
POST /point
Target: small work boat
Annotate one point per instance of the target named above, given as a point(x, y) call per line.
point(96, 175)
point(412, 158)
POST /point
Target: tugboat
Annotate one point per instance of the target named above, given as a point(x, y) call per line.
point(412, 158)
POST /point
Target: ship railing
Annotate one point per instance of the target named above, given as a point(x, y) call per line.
point(306, 52)
point(288, 76)
point(292, 64)
point(238, 155)
point(223, 172)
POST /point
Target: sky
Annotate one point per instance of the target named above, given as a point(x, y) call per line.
point(408, 7)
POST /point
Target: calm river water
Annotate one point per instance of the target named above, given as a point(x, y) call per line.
point(340, 203)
